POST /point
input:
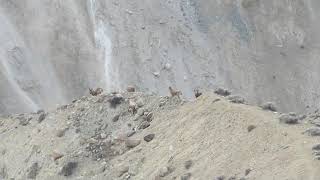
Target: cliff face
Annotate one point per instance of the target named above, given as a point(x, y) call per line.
point(48, 55)
point(51, 51)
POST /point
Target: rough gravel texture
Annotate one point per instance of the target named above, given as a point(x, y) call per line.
point(201, 139)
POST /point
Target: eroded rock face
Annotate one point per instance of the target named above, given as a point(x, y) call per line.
point(55, 55)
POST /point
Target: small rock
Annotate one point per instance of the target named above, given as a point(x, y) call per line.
point(63, 107)
point(269, 106)
point(141, 111)
point(3, 171)
point(77, 130)
point(3, 152)
point(188, 164)
point(115, 118)
point(251, 127)
point(127, 176)
point(140, 102)
point(61, 132)
point(68, 168)
point(131, 133)
point(315, 122)
point(162, 103)
point(40, 111)
point(33, 171)
point(148, 117)
point(122, 170)
point(149, 137)
point(221, 178)
point(136, 118)
point(101, 99)
point(292, 114)
point(144, 125)
point(104, 126)
point(315, 115)
point(197, 93)
point(316, 153)
point(115, 100)
point(167, 66)
point(314, 131)
point(24, 121)
point(163, 22)
point(165, 171)
point(236, 99)
point(101, 169)
point(247, 172)
point(92, 141)
point(42, 117)
point(232, 178)
point(131, 89)
point(316, 147)
point(103, 135)
point(115, 93)
point(288, 119)
point(186, 176)
point(56, 156)
point(302, 117)
point(132, 143)
point(216, 100)
point(156, 74)
point(222, 92)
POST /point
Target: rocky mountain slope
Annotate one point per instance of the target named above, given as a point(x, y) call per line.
point(51, 51)
point(144, 136)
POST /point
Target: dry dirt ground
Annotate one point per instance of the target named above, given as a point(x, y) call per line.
point(166, 138)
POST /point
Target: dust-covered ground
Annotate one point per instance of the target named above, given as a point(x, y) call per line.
point(144, 136)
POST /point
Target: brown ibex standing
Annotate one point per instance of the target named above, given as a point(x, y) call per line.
point(174, 92)
point(131, 89)
point(95, 92)
point(132, 106)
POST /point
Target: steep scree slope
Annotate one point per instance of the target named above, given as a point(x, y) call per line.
point(51, 51)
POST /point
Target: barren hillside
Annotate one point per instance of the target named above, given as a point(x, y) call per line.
point(209, 138)
point(84, 89)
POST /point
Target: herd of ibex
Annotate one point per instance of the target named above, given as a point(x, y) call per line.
point(173, 92)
